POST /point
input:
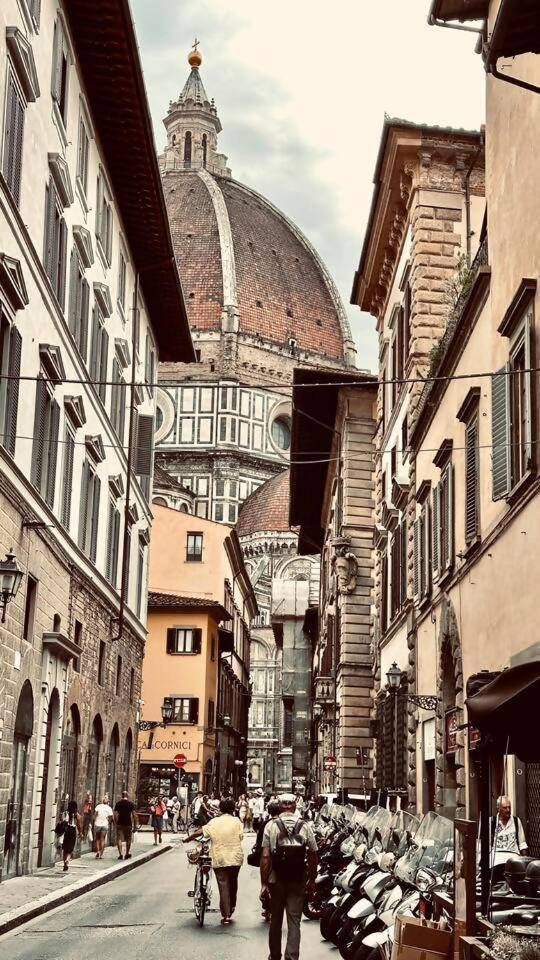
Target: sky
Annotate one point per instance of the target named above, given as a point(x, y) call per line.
point(301, 89)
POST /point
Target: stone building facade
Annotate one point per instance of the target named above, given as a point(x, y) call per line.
point(70, 254)
point(332, 504)
point(260, 303)
point(425, 224)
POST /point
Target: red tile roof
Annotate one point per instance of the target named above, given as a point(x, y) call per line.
point(174, 601)
point(267, 509)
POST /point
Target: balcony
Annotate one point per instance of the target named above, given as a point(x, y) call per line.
point(324, 690)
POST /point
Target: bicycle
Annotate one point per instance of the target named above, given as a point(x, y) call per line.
point(202, 887)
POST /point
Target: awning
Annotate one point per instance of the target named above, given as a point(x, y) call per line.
point(507, 709)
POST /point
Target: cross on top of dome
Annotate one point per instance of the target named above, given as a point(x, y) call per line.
point(194, 55)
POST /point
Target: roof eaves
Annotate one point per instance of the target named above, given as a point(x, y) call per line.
point(446, 11)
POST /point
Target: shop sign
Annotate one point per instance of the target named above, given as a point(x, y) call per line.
point(451, 728)
point(474, 738)
point(178, 746)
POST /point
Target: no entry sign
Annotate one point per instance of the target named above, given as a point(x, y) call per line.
point(180, 760)
point(330, 763)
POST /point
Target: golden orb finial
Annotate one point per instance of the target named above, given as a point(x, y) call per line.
point(194, 55)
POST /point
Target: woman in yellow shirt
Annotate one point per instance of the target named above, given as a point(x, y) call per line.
point(226, 833)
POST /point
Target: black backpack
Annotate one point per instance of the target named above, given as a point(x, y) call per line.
point(289, 857)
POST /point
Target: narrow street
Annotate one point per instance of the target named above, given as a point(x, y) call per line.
point(147, 915)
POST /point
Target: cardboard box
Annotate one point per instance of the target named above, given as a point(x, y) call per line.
point(416, 939)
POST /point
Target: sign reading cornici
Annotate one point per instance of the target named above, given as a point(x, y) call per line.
point(176, 745)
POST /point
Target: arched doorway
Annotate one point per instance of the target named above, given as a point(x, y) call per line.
point(24, 725)
point(70, 755)
point(114, 744)
point(128, 753)
point(50, 755)
point(92, 758)
point(450, 753)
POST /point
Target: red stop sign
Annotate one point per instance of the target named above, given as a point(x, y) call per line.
point(180, 760)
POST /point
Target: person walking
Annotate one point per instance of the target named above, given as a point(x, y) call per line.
point(226, 834)
point(175, 810)
point(157, 809)
point(288, 868)
point(125, 820)
point(88, 811)
point(72, 830)
point(103, 816)
point(243, 809)
point(258, 810)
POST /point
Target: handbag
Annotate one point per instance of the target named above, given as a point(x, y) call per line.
point(90, 835)
point(60, 828)
point(254, 858)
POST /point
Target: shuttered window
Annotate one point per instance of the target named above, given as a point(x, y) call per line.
point(118, 400)
point(185, 709)
point(99, 353)
point(67, 477)
point(422, 553)
point(398, 569)
point(10, 368)
point(34, 9)
point(184, 640)
point(45, 446)
point(104, 218)
point(384, 591)
point(60, 72)
point(89, 510)
point(113, 544)
point(55, 247)
point(83, 150)
point(472, 482)
point(140, 574)
point(13, 136)
point(144, 449)
point(511, 413)
point(121, 281)
point(442, 523)
point(79, 302)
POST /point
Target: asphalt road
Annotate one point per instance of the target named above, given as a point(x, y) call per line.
point(147, 915)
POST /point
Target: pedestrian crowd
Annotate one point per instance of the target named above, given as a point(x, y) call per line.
point(94, 825)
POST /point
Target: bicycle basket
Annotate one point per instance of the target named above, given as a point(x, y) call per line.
point(194, 855)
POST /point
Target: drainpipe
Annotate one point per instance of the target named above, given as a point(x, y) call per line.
point(492, 69)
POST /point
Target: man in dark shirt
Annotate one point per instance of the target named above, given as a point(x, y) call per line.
point(124, 818)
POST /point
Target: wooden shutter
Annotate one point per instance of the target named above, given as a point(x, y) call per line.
point(403, 563)
point(13, 138)
point(500, 433)
point(95, 518)
point(95, 347)
point(384, 592)
point(83, 512)
point(394, 574)
point(52, 453)
point(50, 221)
point(426, 552)
point(12, 390)
point(194, 710)
point(436, 530)
point(110, 542)
point(197, 640)
point(61, 266)
point(103, 358)
point(471, 481)
point(67, 478)
point(36, 11)
point(83, 319)
point(56, 76)
point(171, 639)
point(449, 545)
point(144, 445)
point(417, 558)
point(39, 433)
point(74, 293)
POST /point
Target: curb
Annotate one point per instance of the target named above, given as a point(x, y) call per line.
point(17, 918)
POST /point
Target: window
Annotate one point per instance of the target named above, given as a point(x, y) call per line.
point(13, 136)
point(34, 9)
point(404, 437)
point(472, 482)
point(67, 477)
point(99, 352)
point(220, 488)
point(185, 709)
point(281, 433)
point(443, 522)
point(131, 685)
point(118, 680)
point(122, 281)
point(113, 544)
point(60, 72)
point(150, 365)
point(218, 512)
point(83, 150)
point(187, 149)
point(89, 510)
point(118, 400)
point(78, 639)
point(140, 573)
point(398, 569)
point(10, 366)
point(104, 218)
point(101, 663)
point(211, 713)
point(422, 553)
point(213, 648)
point(29, 608)
point(79, 302)
point(55, 250)
point(45, 447)
point(194, 547)
point(511, 397)
point(184, 640)
point(287, 723)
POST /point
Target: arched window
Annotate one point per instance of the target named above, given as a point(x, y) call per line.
point(69, 755)
point(128, 752)
point(114, 744)
point(160, 501)
point(174, 139)
point(204, 149)
point(187, 149)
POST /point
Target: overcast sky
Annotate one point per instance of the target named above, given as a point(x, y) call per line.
point(301, 89)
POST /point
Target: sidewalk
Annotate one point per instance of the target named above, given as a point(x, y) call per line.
point(23, 898)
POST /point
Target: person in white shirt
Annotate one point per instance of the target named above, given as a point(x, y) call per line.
point(103, 816)
point(258, 810)
point(507, 833)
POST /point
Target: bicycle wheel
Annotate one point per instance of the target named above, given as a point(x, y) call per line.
point(202, 908)
point(197, 894)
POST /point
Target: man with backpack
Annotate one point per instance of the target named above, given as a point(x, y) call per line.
point(288, 868)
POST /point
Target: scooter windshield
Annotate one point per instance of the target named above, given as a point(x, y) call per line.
point(431, 847)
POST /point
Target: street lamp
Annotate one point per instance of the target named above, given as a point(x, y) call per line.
point(425, 701)
point(11, 575)
point(393, 676)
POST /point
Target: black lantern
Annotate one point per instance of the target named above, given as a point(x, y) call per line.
point(393, 676)
point(11, 575)
point(167, 710)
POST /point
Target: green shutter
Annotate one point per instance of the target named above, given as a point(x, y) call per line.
point(95, 347)
point(83, 319)
point(12, 391)
point(39, 433)
point(436, 530)
point(449, 545)
point(471, 481)
point(67, 478)
point(103, 358)
point(500, 433)
point(144, 445)
point(74, 293)
point(95, 518)
point(416, 564)
point(426, 552)
point(83, 512)
point(52, 453)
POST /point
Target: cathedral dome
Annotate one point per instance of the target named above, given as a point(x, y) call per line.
point(241, 258)
point(267, 509)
